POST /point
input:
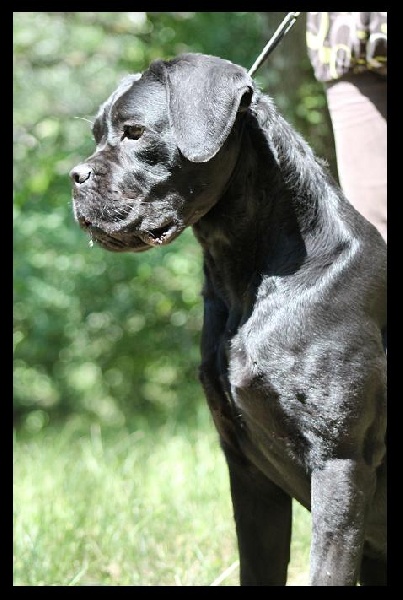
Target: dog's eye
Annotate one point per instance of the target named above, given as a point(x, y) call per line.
point(133, 132)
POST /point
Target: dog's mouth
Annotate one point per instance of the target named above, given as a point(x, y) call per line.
point(161, 235)
point(127, 240)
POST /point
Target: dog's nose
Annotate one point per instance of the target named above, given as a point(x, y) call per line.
point(81, 173)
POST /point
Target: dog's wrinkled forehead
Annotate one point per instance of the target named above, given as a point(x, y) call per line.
point(123, 86)
point(135, 101)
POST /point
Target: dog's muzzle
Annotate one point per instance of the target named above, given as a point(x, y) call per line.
point(123, 235)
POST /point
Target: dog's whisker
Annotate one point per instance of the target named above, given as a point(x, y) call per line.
point(84, 119)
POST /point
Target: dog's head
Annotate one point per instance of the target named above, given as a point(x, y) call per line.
point(166, 144)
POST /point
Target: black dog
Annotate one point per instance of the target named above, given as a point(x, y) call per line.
point(293, 343)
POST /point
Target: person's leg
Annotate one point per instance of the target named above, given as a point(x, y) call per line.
point(357, 107)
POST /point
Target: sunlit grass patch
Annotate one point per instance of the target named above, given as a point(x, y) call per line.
point(150, 508)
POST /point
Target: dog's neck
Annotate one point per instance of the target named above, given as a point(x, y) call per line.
point(268, 221)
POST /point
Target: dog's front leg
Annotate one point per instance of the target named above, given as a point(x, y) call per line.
point(340, 494)
point(262, 513)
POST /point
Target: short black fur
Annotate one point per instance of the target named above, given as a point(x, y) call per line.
point(293, 358)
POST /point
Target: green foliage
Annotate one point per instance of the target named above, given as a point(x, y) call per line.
point(110, 336)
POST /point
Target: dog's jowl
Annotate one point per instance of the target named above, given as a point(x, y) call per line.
point(293, 345)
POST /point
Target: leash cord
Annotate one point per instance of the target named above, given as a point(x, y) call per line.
point(278, 35)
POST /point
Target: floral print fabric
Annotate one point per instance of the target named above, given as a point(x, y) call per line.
point(339, 43)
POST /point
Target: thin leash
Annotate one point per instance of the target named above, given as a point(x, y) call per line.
point(278, 35)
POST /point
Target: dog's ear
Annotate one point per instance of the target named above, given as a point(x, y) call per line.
point(205, 94)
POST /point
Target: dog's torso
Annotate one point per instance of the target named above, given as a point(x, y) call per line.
point(295, 397)
point(293, 359)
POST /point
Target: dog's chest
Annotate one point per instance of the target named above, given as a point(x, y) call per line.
point(254, 420)
point(268, 429)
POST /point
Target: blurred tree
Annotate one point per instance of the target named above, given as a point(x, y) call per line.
point(113, 336)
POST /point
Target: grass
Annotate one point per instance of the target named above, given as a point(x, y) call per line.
point(147, 508)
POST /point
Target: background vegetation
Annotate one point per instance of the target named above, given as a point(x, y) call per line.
point(108, 340)
point(97, 334)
